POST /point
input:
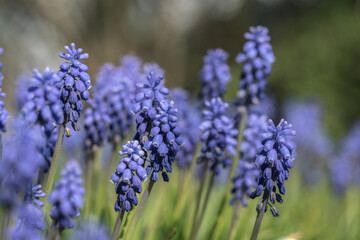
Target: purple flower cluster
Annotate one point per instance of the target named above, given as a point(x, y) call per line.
point(188, 122)
point(95, 124)
point(30, 216)
point(74, 84)
point(129, 175)
point(218, 135)
point(247, 171)
point(214, 75)
point(3, 112)
point(157, 129)
point(344, 167)
point(21, 161)
point(23, 82)
point(43, 105)
point(257, 58)
point(313, 145)
point(67, 197)
point(274, 160)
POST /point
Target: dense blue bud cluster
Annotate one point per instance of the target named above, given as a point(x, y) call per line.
point(189, 120)
point(30, 216)
point(256, 58)
point(157, 129)
point(129, 175)
point(275, 159)
point(344, 167)
point(3, 112)
point(155, 70)
point(91, 230)
point(21, 160)
point(67, 196)
point(95, 124)
point(74, 85)
point(247, 172)
point(214, 75)
point(43, 105)
point(218, 135)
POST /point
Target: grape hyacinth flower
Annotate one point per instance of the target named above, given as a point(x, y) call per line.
point(30, 216)
point(218, 136)
point(23, 82)
point(188, 122)
point(95, 124)
point(256, 58)
point(67, 196)
point(43, 105)
point(157, 130)
point(20, 165)
point(214, 75)
point(3, 112)
point(129, 175)
point(247, 172)
point(90, 230)
point(275, 159)
point(74, 85)
point(155, 70)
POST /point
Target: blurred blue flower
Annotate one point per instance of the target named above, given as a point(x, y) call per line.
point(128, 176)
point(3, 112)
point(256, 59)
point(90, 230)
point(67, 196)
point(218, 136)
point(74, 85)
point(23, 82)
point(274, 159)
point(189, 119)
point(214, 75)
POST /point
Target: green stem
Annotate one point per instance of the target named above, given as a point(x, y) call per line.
point(233, 220)
point(51, 231)
point(198, 199)
point(88, 188)
point(206, 201)
point(260, 216)
point(140, 208)
point(183, 197)
point(117, 226)
point(54, 162)
point(236, 159)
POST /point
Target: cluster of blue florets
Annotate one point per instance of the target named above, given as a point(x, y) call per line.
point(218, 135)
point(214, 75)
point(157, 129)
point(257, 58)
point(74, 84)
point(274, 160)
point(129, 175)
point(67, 197)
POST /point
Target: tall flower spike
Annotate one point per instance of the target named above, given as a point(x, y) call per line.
point(43, 104)
point(157, 129)
point(189, 120)
point(214, 75)
point(218, 135)
point(257, 58)
point(67, 196)
point(3, 112)
point(95, 124)
point(275, 159)
point(21, 161)
point(74, 85)
point(247, 172)
point(128, 176)
point(30, 216)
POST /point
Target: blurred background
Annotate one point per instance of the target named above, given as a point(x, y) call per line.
point(315, 81)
